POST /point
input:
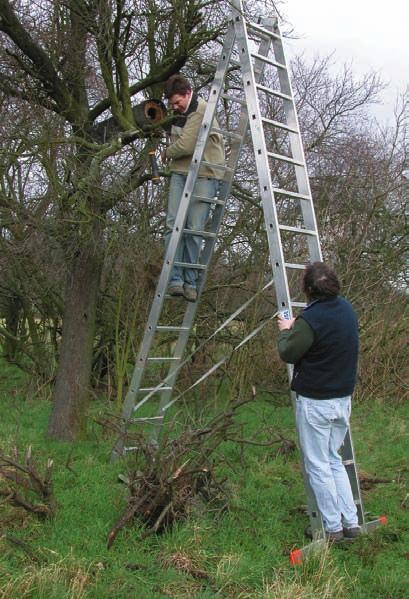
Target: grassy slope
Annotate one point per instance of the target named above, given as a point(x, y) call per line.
point(244, 551)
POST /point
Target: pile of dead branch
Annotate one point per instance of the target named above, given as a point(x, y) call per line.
point(22, 485)
point(166, 478)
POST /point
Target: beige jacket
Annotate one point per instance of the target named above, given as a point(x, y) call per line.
point(183, 142)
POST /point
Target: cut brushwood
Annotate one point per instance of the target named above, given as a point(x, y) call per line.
point(22, 486)
point(165, 480)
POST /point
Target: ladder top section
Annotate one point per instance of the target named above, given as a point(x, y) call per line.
point(263, 31)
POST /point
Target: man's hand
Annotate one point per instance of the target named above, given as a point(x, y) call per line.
point(285, 323)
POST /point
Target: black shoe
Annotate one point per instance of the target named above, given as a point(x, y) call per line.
point(335, 537)
point(353, 532)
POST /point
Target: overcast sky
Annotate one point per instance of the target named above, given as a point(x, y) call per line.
point(371, 33)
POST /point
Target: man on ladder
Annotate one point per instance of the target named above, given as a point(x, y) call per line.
point(184, 133)
point(322, 343)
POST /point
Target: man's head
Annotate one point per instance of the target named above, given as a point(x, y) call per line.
point(320, 281)
point(178, 92)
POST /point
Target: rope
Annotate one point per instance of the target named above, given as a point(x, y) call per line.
point(222, 361)
point(201, 345)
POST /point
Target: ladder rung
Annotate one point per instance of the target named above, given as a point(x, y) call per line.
point(285, 158)
point(162, 359)
point(233, 99)
point(273, 63)
point(193, 266)
point(279, 125)
point(221, 167)
point(227, 133)
point(149, 389)
point(209, 200)
point(298, 304)
point(199, 233)
point(297, 230)
point(166, 329)
point(262, 30)
point(273, 92)
point(293, 265)
point(292, 194)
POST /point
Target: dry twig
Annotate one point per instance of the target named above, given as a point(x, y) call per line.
point(21, 485)
point(166, 479)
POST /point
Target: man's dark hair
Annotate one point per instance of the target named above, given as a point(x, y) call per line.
point(177, 84)
point(320, 281)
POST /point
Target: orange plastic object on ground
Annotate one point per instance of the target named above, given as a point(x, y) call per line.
point(296, 557)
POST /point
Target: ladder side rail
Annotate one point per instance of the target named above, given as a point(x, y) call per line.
point(178, 227)
point(263, 170)
point(301, 172)
point(208, 250)
point(314, 514)
point(308, 213)
point(189, 318)
point(347, 450)
point(271, 222)
point(348, 455)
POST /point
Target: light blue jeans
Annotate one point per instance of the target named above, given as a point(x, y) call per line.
point(198, 213)
point(322, 425)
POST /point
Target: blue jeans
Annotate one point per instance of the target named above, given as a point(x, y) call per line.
point(322, 425)
point(198, 213)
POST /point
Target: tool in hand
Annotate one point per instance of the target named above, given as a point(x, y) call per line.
point(154, 166)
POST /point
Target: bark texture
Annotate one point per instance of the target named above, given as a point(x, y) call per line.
point(68, 415)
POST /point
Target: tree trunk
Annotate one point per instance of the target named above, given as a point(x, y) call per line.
point(11, 314)
point(70, 396)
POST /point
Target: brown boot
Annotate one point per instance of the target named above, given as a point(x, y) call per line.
point(190, 294)
point(176, 290)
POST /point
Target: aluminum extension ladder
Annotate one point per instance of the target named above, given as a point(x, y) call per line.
point(253, 55)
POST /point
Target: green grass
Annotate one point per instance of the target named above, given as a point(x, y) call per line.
point(243, 551)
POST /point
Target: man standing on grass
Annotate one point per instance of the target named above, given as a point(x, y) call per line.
point(184, 134)
point(322, 343)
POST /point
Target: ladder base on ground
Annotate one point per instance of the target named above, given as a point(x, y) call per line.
point(298, 556)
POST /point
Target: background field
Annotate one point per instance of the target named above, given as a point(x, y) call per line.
point(240, 552)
